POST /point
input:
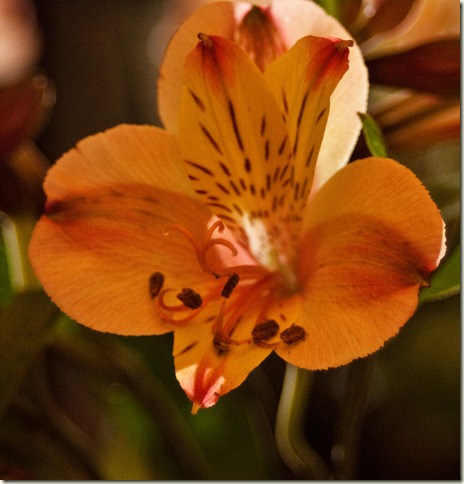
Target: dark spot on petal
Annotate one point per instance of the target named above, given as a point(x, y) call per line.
point(210, 138)
point(263, 125)
point(155, 282)
point(197, 100)
point(187, 348)
point(235, 125)
point(200, 167)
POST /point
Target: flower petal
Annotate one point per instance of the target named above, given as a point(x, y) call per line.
point(102, 235)
point(403, 114)
point(427, 21)
point(433, 67)
point(372, 237)
point(295, 19)
point(233, 138)
point(303, 80)
point(205, 373)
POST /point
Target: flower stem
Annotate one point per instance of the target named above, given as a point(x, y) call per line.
point(291, 442)
point(347, 433)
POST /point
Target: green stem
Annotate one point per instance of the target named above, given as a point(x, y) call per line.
point(349, 425)
point(293, 447)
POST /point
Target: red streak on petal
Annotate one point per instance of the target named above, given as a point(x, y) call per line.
point(333, 59)
point(207, 384)
point(216, 62)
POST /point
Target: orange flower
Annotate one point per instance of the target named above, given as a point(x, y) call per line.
point(221, 234)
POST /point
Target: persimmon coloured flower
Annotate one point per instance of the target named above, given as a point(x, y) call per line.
point(219, 234)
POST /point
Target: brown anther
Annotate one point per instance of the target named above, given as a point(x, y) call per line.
point(293, 334)
point(155, 284)
point(264, 331)
point(230, 285)
point(190, 298)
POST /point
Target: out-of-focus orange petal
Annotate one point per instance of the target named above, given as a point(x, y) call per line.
point(294, 19)
point(303, 81)
point(23, 108)
point(374, 16)
point(433, 67)
point(427, 21)
point(102, 235)
point(410, 120)
point(372, 237)
point(233, 138)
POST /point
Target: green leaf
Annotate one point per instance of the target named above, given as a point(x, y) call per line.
point(373, 136)
point(6, 291)
point(446, 281)
point(24, 325)
point(332, 7)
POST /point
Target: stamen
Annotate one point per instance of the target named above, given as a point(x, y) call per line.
point(201, 252)
point(155, 282)
point(218, 335)
point(293, 334)
point(253, 298)
point(186, 232)
point(190, 298)
point(230, 286)
point(264, 331)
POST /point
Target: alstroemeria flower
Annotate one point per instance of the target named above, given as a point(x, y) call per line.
point(212, 234)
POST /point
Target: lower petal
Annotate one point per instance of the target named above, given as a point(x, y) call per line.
point(204, 372)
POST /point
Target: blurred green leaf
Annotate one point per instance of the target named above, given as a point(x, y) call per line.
point(25, 325)
point(332, 7)
point(373, 135)
point(6, 291)
point(446, 281)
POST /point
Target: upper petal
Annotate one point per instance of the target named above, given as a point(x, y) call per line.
point(217, 18)
point(234, 140)
point(302, 81)
point(102, 235)
point(372, 237)
point(294, 19)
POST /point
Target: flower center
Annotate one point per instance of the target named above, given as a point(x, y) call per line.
point(238, 293)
